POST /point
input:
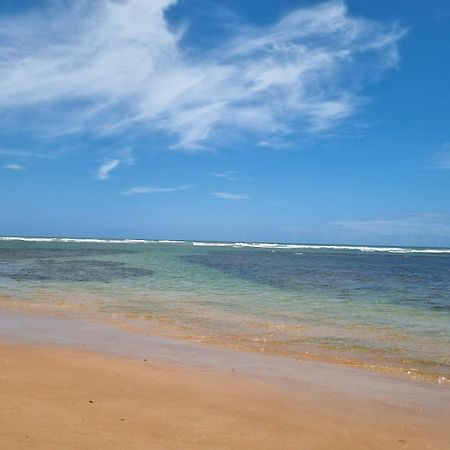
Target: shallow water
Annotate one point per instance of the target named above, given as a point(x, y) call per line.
point(386, 308)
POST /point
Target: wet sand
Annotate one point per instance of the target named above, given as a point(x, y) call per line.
point(75, 384)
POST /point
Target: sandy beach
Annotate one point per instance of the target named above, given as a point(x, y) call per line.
point(224, 225)
point(61, 396)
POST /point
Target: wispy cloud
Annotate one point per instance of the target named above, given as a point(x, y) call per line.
point(107, 66)
point(14, 166)
point(231, 196)
point(39, 150)
point(228, 175)
point(106, 168)
point(153, 190)
point(123, 156)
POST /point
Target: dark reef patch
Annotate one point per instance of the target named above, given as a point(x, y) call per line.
point(71, 270)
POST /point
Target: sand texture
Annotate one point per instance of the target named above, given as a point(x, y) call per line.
point(60, 398)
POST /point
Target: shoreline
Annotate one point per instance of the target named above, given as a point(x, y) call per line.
point(80, 333)
point(155, 328)
point(179, 395)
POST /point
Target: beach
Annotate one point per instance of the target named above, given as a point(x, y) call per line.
point(83, 385)
point(224, 225)
point(59, 398)
point(179, 345)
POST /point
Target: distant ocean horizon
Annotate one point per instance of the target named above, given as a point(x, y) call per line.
point(383, 308)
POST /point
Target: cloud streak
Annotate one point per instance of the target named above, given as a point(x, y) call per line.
point(153, 190)
point(106, 168)
point(231, 196)
point(228, 175)
point(14, 166)
point(112, 66)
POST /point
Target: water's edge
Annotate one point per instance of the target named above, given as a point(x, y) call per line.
point(26, 329)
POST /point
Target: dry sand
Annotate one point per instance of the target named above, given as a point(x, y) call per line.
point(61, 398)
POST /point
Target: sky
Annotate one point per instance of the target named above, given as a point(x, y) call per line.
point(287, 121)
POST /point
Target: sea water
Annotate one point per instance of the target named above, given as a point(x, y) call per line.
point(385, 308)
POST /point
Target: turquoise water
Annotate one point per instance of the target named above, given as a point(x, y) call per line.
point(387, 308)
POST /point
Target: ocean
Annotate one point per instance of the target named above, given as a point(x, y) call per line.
point(378, 308)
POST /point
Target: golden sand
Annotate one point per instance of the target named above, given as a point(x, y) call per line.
point(60, 398)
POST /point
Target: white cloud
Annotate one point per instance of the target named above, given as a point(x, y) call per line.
point(107, 66)
point(105, 169)
point(37, 152)
point(228, 175)
point(153, 190)
point(231, 196)
point(14, 166)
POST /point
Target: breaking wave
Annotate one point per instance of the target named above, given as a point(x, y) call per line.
point(272, 246)
point(322, 247)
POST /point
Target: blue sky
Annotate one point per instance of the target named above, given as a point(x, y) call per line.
point(290, 121)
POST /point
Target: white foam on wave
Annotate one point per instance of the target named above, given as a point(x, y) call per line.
point(77, 240)
point(321, 247)
point(262, 245)
point(168, 241)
